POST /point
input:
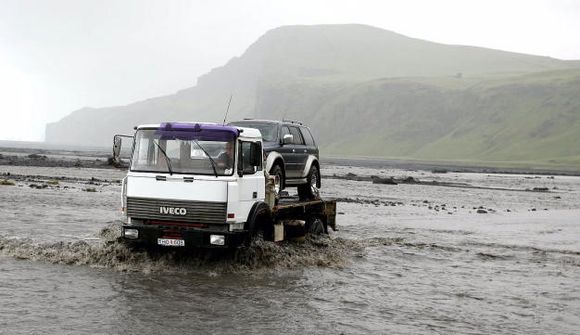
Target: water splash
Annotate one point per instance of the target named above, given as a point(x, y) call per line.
point(110, 252)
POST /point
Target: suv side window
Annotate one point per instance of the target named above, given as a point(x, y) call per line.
point(297, 136)
point(307, 136)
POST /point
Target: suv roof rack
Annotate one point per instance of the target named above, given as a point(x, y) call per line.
point(292, 121)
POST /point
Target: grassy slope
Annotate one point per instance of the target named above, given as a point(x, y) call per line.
point(532, 119)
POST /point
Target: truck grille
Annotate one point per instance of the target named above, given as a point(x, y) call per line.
point(161, 209)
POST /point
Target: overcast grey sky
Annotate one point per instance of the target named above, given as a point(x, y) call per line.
point(60, 55)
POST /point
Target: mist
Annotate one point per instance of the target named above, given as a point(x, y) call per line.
point(61, 56)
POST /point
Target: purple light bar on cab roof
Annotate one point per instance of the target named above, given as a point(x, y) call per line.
point(196, 131)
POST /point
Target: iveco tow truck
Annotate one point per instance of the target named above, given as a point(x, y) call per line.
point(204, 185)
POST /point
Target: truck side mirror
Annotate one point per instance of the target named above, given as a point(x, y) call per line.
point(288, 139)
point(117, 145)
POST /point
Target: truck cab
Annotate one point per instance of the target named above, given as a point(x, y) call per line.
point(193, 184)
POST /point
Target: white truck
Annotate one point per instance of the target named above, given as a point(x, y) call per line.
point(203, 185)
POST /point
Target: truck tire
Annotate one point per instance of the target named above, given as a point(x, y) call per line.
point(278, 174)
point(133, 245)
point(310, 190)
point(259, 224)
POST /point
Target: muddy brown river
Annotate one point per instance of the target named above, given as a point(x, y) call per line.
point(408, 259)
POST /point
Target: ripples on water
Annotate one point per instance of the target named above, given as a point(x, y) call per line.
point(395, 266)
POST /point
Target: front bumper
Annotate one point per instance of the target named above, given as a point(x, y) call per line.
point(192, 237)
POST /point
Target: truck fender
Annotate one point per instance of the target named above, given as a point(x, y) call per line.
point(260, 217)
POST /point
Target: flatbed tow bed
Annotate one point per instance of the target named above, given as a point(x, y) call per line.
point(290, 208)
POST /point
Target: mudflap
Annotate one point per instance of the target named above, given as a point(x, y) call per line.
point(329, 215)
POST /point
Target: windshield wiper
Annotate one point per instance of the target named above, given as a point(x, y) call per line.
point(213, 164)
point(167, 159)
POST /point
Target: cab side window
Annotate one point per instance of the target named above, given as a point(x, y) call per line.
point(250, 157)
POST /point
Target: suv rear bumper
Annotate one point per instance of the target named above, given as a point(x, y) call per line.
point(192, 237)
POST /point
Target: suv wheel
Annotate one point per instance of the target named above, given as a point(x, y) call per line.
point(278, 179)
point(310, 189)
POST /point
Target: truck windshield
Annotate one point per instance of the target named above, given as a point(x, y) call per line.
point(184, 155)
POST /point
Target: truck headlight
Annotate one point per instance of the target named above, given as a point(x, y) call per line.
point(217, 239)
point(132, 234)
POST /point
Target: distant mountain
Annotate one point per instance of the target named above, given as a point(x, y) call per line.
point(371, 92)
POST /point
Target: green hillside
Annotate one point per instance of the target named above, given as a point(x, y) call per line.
point(532, 118)
point(371, 92)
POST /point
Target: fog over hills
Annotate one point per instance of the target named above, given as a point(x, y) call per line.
point(370, 92)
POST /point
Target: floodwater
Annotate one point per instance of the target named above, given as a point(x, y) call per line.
point(407, 259)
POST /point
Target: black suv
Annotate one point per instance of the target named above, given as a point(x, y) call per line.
point(291, 154)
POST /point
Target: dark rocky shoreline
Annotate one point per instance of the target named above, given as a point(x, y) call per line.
point(55, 158)
point(442, 167)
point(415, 181)
point(101, 159)
point(45, 161)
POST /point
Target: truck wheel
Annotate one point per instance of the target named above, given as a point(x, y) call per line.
point(310, 189)
point(278, 174)
point(259, 226)
point(315, 227)
point(134, 245)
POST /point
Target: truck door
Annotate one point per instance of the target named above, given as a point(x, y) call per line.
point(251, 183)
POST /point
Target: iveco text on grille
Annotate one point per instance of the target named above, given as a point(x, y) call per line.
point(172, 210)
